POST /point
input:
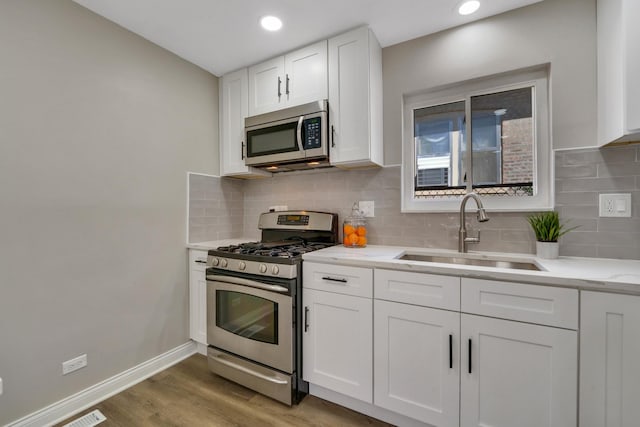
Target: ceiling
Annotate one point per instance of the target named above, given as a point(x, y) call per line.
point(224, 35)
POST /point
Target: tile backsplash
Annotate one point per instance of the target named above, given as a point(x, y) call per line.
point(216, 208)
point(581, 176)
point(226, 208)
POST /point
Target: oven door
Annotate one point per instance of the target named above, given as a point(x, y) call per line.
point(251, 319)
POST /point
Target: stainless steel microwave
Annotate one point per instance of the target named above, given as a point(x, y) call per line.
point(296, 135)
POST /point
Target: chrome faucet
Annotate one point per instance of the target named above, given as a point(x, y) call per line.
point(463, 240)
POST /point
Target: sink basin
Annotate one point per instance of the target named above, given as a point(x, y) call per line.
point(461, 260)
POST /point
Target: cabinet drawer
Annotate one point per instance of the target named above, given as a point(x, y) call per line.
point(543, 305)
point(341, 279)
point(197, 260)
point(428, 290)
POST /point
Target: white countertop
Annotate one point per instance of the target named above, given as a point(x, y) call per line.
point(213, 244)
point(610, 275)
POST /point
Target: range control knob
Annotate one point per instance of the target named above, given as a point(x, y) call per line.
point(275, 270)
point(215, 262)
point(223, 263)
point(242, 265)
point(263, 268)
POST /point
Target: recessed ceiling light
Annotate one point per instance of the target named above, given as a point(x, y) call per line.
point(271, 23)
point(468, 7)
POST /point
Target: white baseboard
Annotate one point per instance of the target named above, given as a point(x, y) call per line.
point(365, 408)
point(201, 348)
point(82, 400)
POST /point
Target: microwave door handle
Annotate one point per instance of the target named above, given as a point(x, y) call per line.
point(299, 133)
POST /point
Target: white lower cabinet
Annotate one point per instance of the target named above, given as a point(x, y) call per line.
point(517, 374)
point(198, 296)
point(609, 360)
point(417, 365)
point(338, 342)
point(449, 351)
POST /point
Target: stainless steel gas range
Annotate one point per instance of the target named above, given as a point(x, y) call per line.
point(254, 301)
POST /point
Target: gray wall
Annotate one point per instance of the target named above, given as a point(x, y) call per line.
point(97, 130)
point(560, 32)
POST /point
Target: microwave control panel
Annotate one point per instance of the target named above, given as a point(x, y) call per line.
point(312, 133)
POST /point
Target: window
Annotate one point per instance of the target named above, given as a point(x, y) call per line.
point(503, 153)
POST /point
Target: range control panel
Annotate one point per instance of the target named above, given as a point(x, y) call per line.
point(293, 219)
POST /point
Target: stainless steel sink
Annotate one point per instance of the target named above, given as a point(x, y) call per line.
point(518, 265)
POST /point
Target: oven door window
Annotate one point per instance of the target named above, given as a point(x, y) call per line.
point(247, 315)
point(273, 140)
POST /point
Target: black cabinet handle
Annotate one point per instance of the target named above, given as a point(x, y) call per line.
point(279, 83)
point(242, 151)
point(199, 261)
point(450, 351)
point(333, 279)
point(306, 319)
point(287, 85)
point(333, 136)
point(469, 355)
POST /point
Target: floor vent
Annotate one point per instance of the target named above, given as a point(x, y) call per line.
point(91, 419)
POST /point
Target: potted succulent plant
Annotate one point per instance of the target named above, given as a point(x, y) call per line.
point(548, 229)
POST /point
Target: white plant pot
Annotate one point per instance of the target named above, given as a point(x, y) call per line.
point(547, 250)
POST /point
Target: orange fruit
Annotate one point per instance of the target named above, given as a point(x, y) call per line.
point(362, 241)
point(345, 241)
point(348, 229)
point(353, 239)
point(361, 230)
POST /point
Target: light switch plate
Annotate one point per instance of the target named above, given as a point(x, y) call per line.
point(615, 205)
point(367, 208)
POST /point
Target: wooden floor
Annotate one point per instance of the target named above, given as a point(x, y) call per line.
point(188, 394)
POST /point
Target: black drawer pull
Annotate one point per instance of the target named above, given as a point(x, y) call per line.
point(333, 279)
point(199, 261)
point(469, 355)
point(450, 351)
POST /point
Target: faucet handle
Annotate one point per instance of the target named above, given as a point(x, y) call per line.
point(475, 239)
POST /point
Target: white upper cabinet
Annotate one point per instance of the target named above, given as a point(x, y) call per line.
point(355, 99)
point(234, 107)
point(618, 71)
point(296, 78)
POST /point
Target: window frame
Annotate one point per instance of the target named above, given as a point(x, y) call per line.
point(543, 198)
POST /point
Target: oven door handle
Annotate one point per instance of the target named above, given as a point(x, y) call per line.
point(249, 371)
point(247, 282)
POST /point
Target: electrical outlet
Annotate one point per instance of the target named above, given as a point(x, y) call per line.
point(74, 364)
point(366, 208)
point(615, 205)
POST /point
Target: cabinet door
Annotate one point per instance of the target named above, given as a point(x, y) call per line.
point(198, 296)
point(305, 77)
point(234, 107)
point(609, 357)
point(355, 112)
point(338, 343)
point(266, 86)
point(517, 374)
point(417, 365)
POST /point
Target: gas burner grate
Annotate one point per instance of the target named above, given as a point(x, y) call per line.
point(282, 249)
